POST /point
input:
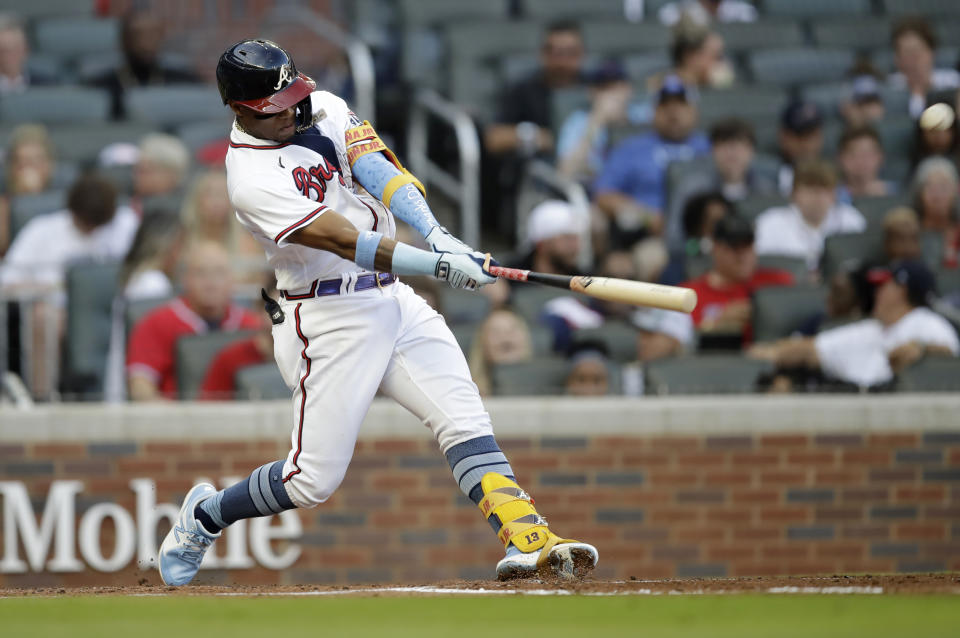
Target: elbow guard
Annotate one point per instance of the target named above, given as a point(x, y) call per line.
point(363, 140)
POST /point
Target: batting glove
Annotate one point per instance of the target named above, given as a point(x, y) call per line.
point(441, 241)
point(468, 272)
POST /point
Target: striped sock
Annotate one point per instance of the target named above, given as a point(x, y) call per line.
point(470, 460)
point(260, 494)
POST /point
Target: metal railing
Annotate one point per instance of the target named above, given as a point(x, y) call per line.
point(538, 173)
point(358, 54)
point(464, 187)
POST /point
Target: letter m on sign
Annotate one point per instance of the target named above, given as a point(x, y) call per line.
point(57, 525)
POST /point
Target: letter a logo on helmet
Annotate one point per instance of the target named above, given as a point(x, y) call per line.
point(286, 75)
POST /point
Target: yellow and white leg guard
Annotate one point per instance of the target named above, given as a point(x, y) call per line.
point(540, 550)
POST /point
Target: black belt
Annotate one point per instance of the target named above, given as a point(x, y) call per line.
point(332, 286)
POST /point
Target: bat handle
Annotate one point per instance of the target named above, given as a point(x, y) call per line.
point(514, 274)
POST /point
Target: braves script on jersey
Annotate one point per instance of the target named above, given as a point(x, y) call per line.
point(280, 188)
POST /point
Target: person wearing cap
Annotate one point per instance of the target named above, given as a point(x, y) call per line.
point(870, 352)
point(553, 235)
point(799, 229)
point(631, 188)
point(723, 292)
point(588, 370)
point(800, 138)
point(860, 158)
point(914, 46)
point(583, 136)
point(864, 105)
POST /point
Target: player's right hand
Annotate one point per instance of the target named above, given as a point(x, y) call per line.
point(464, 271)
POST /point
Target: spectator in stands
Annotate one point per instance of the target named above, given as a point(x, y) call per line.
point(723, 292)
point(901, 235)
point(90, 228)
point(15, 77)
point(865, 106)
point(915, 45)
point(502, 338)
point(731, 174)
point(707, 11)
point(695, 239)
point(28, 168)
point(936, 143)
point(554, 228)
point(799, 230)
point(525, 122)
point(583, 137)
point(141, 37)
point(936, 197)
point(206, 304)
point(860, 157)
point(800, 139)
point(868, 353)
point(588, 371)
point(631, 188)
point(160, 171)
point(219, 383)
point(698, 58)
point(208, 216)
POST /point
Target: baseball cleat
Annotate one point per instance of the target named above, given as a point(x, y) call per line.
point(182, 550)
point(568, 561)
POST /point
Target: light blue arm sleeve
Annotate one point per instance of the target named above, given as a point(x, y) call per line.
point(373, 171)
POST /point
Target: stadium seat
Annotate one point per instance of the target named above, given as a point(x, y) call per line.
point(796, 266)
point(460, 306)
point(861, 33)
point(874, 209)
point(415, 13)
point(611, 38)
point(741, 37)
point(563, 102)
point(136, 310)
point(921, 7)
point(708, 374)
point(948, 280)
point(55, 105)
point(897, 133)
point(931, 374)
point(198, 134)
point(778, 311)
point(40, 64)
point(23, 208)
point(797, 66)
point(752, 206)
point(35, 9)
point(748, 102)
point(696, 265)
point(174, 105)
point(849, 250)
point(641, 66)
point(557, 9)
point(90, 292)
point(261, 382)
point(194, 354)
point(464, 333)
point(814, 8)
point(620, 339)
point(69, 38)
point(542, 376)
point(83, 143)
point(528, 300)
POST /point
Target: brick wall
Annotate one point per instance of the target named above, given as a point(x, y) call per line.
point(655, 505)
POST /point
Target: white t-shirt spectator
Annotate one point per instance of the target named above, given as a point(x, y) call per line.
point(859, 352)
point(783, 231)
point(41, 252)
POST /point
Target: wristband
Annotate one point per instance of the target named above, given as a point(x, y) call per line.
point(367, 242)
point(408, 260)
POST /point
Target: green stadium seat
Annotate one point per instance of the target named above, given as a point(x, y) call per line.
point(861, 33)
point(36, 9)
point(194, 354)
point(778, 311)
point(83, 143)
point(897, 134)
point(797, 66)
point(198, 134)
point(740, 37)
point(849, 250)
point(931, 374)
point(564, 102)
point(176, 104)
point(137, 309)
point(541, 376)
point(752, 206)
point(948, 280)
point(90, 292)
point(620, 339)
point(261, 382)
point(874, 209)
point(641, 66)
point(921, 7)
point(23, 208)
point(696, 265)
point(806, 9)
point(747, 102)
point(556, 9)
point(415, 13)
point(71, 37)
point(796, 266)
point(708, 374)
point(621, 37)
point(465, 333)
point(55, 105)
point(460, 306)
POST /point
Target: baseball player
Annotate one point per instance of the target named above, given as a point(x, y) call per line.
point(319, 190)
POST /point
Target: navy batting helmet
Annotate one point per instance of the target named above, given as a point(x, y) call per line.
point(261, 76)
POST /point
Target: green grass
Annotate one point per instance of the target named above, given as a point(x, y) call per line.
point(739, 616)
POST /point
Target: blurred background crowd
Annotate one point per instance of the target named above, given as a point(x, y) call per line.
point(768, 154)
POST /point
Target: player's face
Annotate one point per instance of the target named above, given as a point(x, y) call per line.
point(279, 127)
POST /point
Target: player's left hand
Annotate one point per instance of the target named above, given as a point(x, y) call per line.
point(441, 241)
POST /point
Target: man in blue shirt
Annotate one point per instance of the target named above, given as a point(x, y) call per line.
point(632, 187)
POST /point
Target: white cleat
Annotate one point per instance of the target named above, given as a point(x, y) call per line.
point(569, 561)
point(182, 550)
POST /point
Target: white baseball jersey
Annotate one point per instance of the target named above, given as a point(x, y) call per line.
point(278, 188)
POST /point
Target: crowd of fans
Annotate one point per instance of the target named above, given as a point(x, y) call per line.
point(670, 202)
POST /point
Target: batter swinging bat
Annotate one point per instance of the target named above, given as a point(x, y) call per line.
point(637, 293)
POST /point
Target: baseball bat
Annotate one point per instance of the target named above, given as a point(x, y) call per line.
point(637, 293)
